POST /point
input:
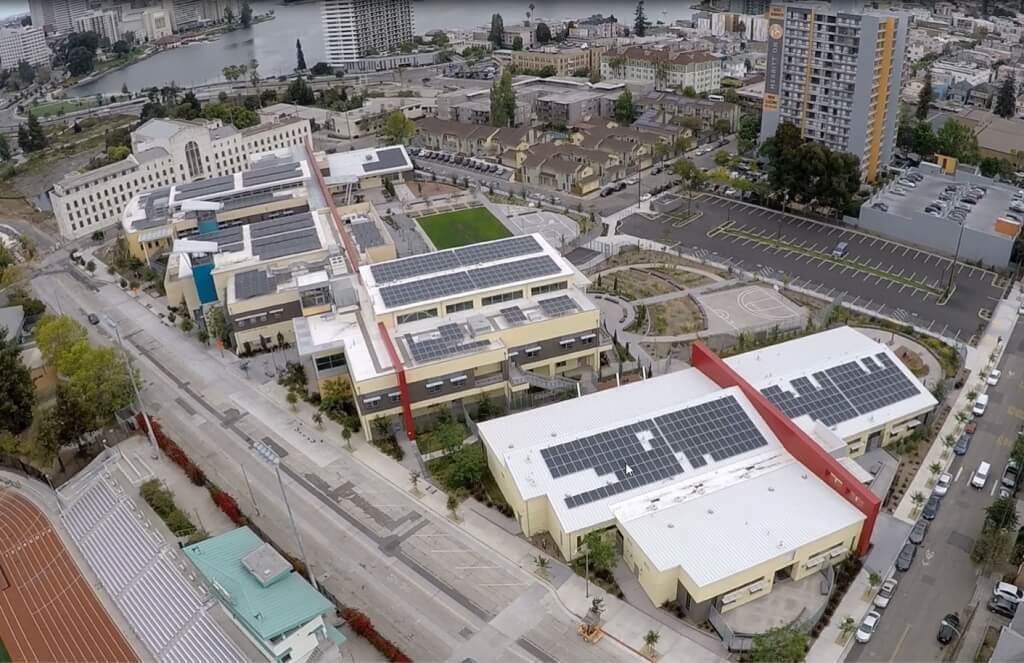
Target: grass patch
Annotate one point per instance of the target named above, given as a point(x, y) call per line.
point(444, 436)
point(467, 226)
point(4, 656)
point(676, 316)
point(62, 107)
point(162, 501)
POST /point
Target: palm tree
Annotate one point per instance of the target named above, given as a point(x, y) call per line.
point(917, 499)
point(542, 565)
point(948, 443)
point(318, 419)
point(874, 580)
point(346, 435)
point(414, 480)
point(846, 628)
point(934, 469)
point(651, 641)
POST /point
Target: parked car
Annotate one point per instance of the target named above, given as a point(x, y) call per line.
point(980, 476)
point(881, 207)
point(949, 629)
point(868, 626)
point(962, 443)
point(931, 507)
point(886, 593)
point(906, 557)
point(918, 533)
point(1009, 592)
point(93, 319)
point(1001, 606)
point(993, 376)
point(942, 484)
point(1011, 475)
point(980, 405)
point(841, 249)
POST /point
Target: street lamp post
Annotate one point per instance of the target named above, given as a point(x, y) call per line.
point(956, 257)
point(135, 387)
point(269, 456)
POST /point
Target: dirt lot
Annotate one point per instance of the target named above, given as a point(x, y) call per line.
point(674, 317)
point(428, 189)
point(631, 284)
point(684, 280)
point(632, 257)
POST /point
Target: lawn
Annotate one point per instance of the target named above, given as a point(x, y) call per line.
point(4, 656)
point(464, 227)
point(63, 106)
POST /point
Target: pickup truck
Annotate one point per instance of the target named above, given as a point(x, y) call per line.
point(1011, 475)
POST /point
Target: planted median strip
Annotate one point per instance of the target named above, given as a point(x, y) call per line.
point(729, 229)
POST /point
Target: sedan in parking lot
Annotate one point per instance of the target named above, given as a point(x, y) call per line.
point(919, 532)
point(886, 593)
point(931, 507)
point(993, 376)
point(1008, 592)
point(906, 557)
point(868, 626)
point(949, 629)
point(961, 444)
point(1001, 606)
point(942, 484)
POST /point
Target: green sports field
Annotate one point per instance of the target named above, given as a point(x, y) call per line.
point(467, 226)
point(4, 656)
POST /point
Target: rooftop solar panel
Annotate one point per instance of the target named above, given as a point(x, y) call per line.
point(429, 263)
point(266, 177)
point(555, 307)
point(514, 315)
point(253, 283)
point(474, 254)
point(290, 223)
point(366, 235)
point(285, 245)
point(222, 236)
point(513, 272)
point(435, 287)
point(446, 341)
point(205, 187)
point(644, 452)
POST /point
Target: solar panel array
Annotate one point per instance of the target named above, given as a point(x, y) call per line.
point(845, 391)
point(391, 157)
point(644, 452)
point(274, 173)
point(289, 223)
point(449, 341)
point(205, 187)
point(441, 261)
point(514, 315)
point(366, 235)
point(445, 285)
point(555, 307)
point(285, 245)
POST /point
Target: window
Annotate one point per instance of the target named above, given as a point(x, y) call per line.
point(459, 306)
point(533, 351)
point(372, 401)
point(434, 387)
point(193, 159)
point(395, 396)
point(550, 287)
point(567, 342)
point(458, 379)
point(328, 362)
point(501, 297)
point(588, 339)
point(418, 315)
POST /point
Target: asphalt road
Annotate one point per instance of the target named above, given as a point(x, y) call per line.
point(943, 578)
point(890, 278)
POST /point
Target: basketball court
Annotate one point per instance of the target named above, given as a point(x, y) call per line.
point(750, 308)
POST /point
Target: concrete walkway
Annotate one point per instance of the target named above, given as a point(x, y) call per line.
point(935, 373)
point(979, 361)
point(827, 648)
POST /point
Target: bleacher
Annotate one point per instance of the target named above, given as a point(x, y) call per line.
point(144, 574)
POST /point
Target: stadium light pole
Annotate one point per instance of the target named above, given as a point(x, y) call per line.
point(270, 456)
point(135, 387)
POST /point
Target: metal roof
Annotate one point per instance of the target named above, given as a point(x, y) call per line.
point(253, 283)
point(366, 235)
point(267, 611)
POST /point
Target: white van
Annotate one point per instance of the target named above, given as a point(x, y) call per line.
point(980, 405)
point(981, 475)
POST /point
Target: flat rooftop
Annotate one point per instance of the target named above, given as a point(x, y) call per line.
point(981, 217)
point(373, 161)
point(419, 280)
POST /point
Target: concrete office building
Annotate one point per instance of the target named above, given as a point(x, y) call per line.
point(564, 61)
point(103, 23)
point(720, 481)
point(354, 29)
point(837, 76)
point(23, 45)
point(164, 152)
point(57, 15)
point(697, 69)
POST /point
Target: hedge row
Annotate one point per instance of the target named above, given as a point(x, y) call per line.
point(363, 627)
point(173, 451)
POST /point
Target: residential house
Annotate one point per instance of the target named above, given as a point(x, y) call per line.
point(472, 139)
point(959, 92)
point(633, 148)
point(981, 95)
point(560, 168)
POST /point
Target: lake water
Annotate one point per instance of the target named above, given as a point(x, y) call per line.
point(272, 43)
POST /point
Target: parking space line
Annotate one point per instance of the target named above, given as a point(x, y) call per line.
point(905, 250)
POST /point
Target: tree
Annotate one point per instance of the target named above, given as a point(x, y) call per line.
point(466, 467)
point(300, 58)
point(624, 110)
point(640, 20)
point(542, 33)
point(651, 642)
point(924, 97)
point(661, 72)
point(245, 17)
point(503, 101)
point(600, 549)
point(497, 34)
point(17, 395)
point(923, 140)
point(688, 91)
point(26, 74)
point(440, 40)
point(217, 325)
point(917, 499)
point(31, 136)
point(293, 400)
point(722, 158)
point(299, 92)
point(993, 547)
point(229, 15)
point(731, 96)
point(322, 69)
point(414, 481)
point(1002, 514)
point(1006, 101)
point(97, 380)
point(781, 644)
point(846, 628)
point(5, 149)
point(232, 72)
point(517, 43)
point(121, 47)
point(747, 134)
point(958, 141)
point(80, 61)
point(542, 564)
point(398, 129)
point(56, 335)
point(454, 500)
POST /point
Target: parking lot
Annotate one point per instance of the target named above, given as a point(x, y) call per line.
point(886, 277)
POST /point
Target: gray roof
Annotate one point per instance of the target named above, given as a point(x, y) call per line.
point(392, 157)
point(366, 234)
point(253, 283)
point(162, 129)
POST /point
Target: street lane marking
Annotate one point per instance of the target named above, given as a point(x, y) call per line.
point(899, 643)
point(959, 471)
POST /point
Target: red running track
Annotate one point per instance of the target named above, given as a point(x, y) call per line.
point(48, 611)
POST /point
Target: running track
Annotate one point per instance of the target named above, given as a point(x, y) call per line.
point(48, 612)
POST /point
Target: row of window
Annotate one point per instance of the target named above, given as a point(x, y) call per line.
point(416, 315)
point(501, 297)
point(374, 402)
point(328, 362)
point(550, 287)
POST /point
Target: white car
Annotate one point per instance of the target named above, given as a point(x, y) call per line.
point(868, 626)
point(645, 197)
point(730, 191)
point(942, 484)
point(886, 593)
point(1011, 593)
point(993, 376)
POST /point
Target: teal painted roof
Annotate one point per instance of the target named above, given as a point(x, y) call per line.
point(267, 611)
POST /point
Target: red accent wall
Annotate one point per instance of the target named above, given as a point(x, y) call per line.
point(403, 388)
point(350, 249)
point(796, 442)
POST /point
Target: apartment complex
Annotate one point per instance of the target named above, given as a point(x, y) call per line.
point(354, 29)
point(164, 152)
point(23, 45)
point(57, 15)
point(103, 23)
point(746, 459)
point(837, 76)
point(564, 61)
point(664, 69)
point(60, 16)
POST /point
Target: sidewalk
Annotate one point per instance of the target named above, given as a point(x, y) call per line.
point(979, 361)
point(827, 648)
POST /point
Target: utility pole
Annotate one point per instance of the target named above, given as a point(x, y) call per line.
point(135, 387)
point(956, 257)
point(269, 456)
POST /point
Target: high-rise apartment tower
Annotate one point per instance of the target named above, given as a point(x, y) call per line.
point(356, 28)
